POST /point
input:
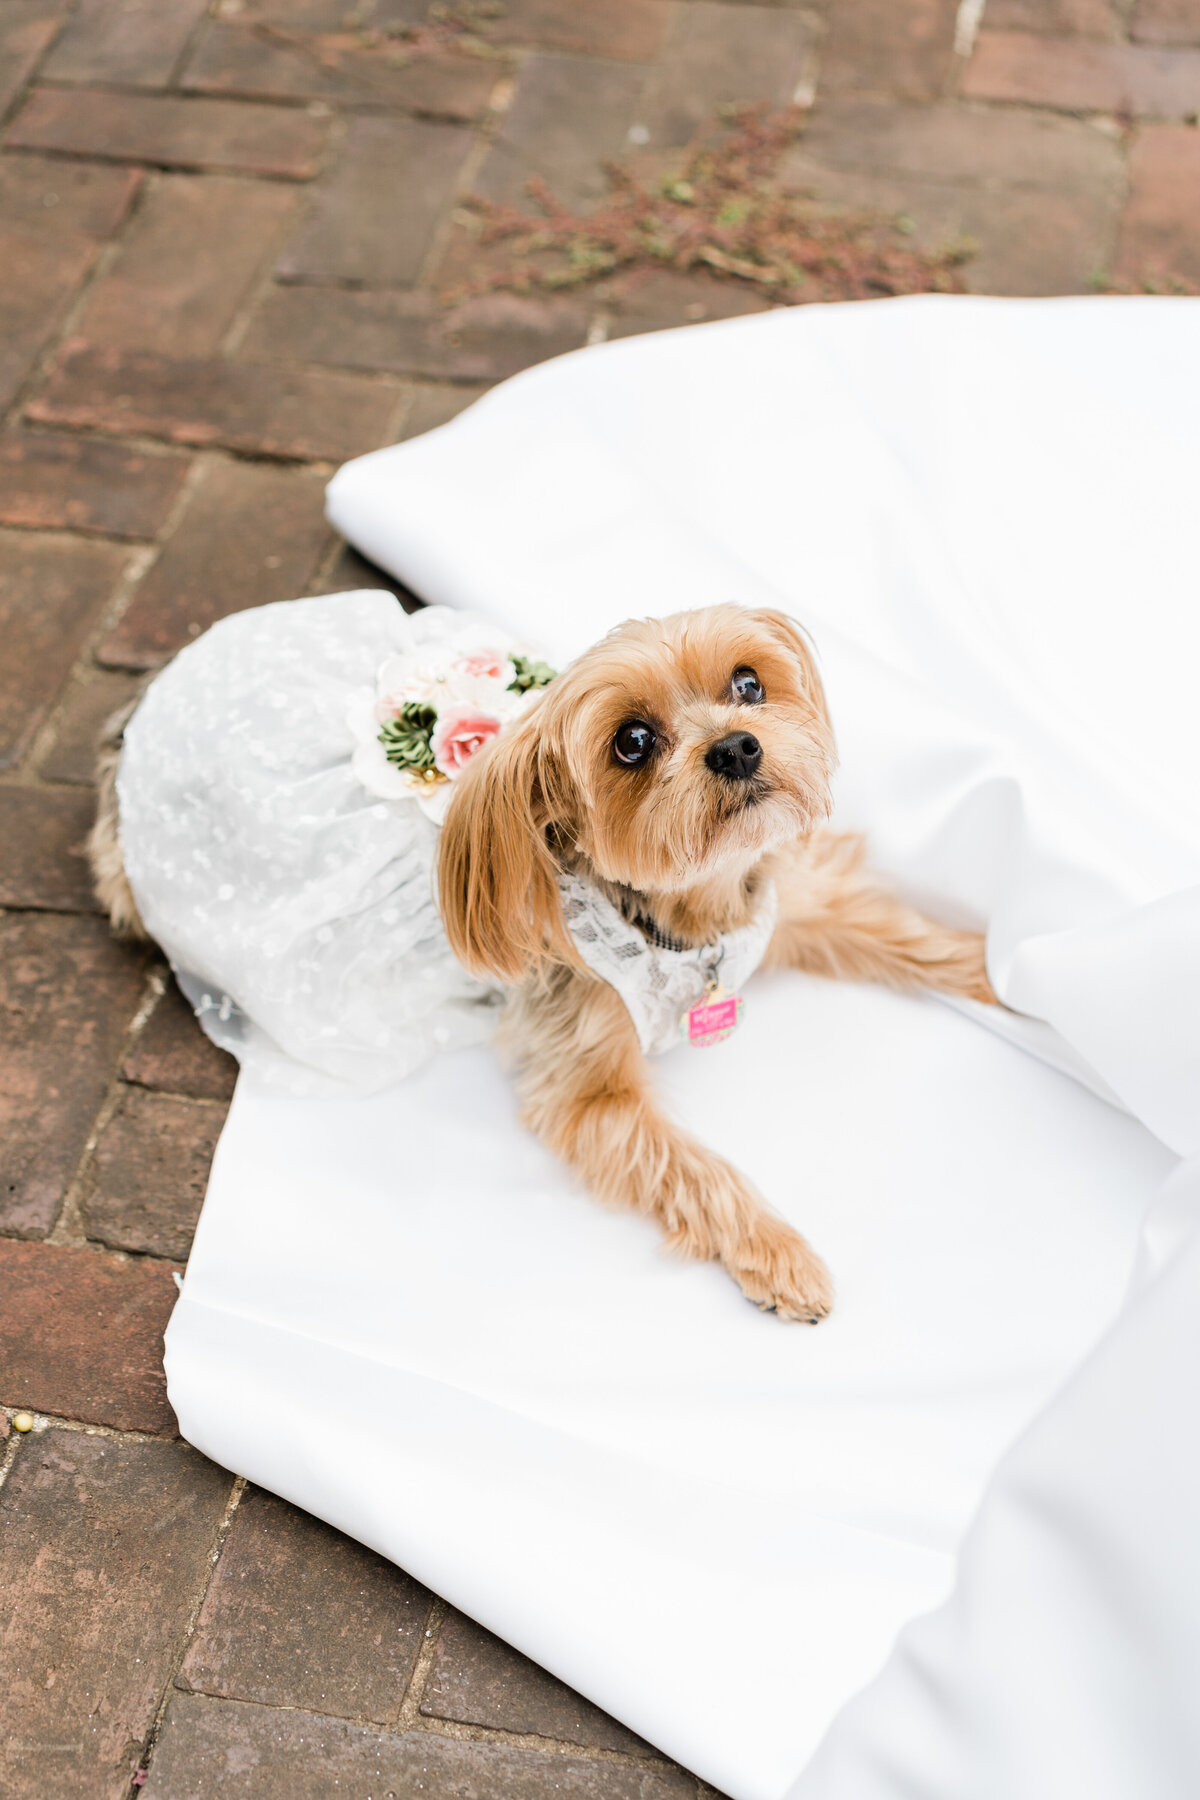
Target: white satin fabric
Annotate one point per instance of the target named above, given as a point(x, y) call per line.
point(754, 1542)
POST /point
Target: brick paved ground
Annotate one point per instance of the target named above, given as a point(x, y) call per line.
point(222, 229)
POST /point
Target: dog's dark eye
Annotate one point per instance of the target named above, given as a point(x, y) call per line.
point(634, 742)
point(747, 687)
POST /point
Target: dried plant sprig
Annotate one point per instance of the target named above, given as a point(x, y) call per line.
point(723, 210)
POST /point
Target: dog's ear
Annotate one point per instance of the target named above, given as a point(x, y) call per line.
point(793, 637)
point(497, 880)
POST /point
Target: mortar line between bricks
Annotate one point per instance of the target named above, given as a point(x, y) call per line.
point(101, 265)
point(200, 24)
point(284, 232)
point(9, 112)
point(150, 1741)
point(205, 1102)
point(396, 418)
point(167, 448)
point(88, 533)
point(675, 27)
point(411, 1718)
point(343, 106)
point(308, 105)
point(409, 1711)
point(68, 1225)
point(10, 1453)
point(449, 1728)
point(105, 257)
point(127, 90)
point(1118, 217)
point(160, 167)
point(1085, 114)
point(123, 593)
point(530, 1740)
point(484, 136)
point(141, 557)
point(44, 1421)
point(26, 773)
point(275, 459)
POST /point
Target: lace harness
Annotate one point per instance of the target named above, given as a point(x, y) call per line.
point(657, 984)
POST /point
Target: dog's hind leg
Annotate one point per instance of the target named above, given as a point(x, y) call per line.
point(836, 920)
point(109, 880)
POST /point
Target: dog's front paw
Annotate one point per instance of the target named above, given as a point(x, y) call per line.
point(711, 1211)
point(777, 1269)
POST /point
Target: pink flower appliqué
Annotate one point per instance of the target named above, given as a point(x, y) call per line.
point(460, 733)
point(480, 662)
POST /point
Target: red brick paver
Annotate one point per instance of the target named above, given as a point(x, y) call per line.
point(1160, 232)
point(41, 850)
point(187, 264)
point(25, 34)
point(52, 590)
point(299, 1616)
point(309, 1756)
point(170, 1055)
point(105, 1549)
point(90, 701)
point(83, 485)
point(1085, 75)
point(174, 133)
point(300, 413)
point(903, 48)
point(129, 46)
point(144, 1187)
point(68, 996)
point(81, 1335)
point(277, 60)
point(1166, 21)
point(478, 1680)
point(250, 533)
point(234, 251)
point(52, 228)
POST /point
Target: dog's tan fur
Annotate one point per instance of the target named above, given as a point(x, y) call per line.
point(690, 850)
point(673, 842)
point(109, 880)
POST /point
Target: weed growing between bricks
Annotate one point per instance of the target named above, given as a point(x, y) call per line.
point(721, 210)
point(460, 29)
point(448, 30)
point(1146, 282)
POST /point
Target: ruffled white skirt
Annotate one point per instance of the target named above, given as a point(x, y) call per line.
point(296, 906)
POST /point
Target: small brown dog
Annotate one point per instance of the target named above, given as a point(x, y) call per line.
point(676, 777)
point(682, 767)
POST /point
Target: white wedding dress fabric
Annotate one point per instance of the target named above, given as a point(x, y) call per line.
point(944, 1546)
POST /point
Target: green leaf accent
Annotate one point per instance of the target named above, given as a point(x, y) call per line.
point(406, 738)
point(530, 674)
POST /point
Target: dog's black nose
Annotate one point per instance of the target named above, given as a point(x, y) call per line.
point(736, 756)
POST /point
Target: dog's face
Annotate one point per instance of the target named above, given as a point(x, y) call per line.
point(688, 746)
point(673, 751)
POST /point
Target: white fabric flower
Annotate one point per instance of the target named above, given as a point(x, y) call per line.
point(463, 668)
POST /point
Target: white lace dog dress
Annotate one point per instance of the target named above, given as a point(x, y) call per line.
point(285, 865)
